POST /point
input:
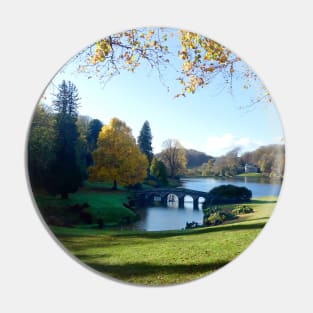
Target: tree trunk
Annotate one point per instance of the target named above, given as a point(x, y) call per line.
point(114, 185)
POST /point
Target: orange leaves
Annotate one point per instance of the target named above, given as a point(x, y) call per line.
point(209, 69)
point(200, 59)
point(187, 66)
point(183, 54)
point(103, 48)
point(126, 51)
point(194, 83)
point(149, 34)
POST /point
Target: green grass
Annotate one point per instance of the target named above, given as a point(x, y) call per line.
point(165, 257)
point(103, 203)
point(100, 186)
point(251, 175)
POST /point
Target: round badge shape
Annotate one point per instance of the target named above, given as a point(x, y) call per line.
point(155, 156)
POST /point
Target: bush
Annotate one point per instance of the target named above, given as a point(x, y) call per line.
point(242, 209)
point(213, 219)
point(229, 194)
point(191, 225)
point(216, 216)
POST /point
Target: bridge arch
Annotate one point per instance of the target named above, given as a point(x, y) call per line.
point(170, 196)
point(188, 202)
point(172, 200)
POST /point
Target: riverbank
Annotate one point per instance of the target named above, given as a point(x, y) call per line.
point(251, 175)
point(165, 257)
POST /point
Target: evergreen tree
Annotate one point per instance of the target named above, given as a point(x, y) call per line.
point(94, 128)
point(145, 142)
point(64, 173)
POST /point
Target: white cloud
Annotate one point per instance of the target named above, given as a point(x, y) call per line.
point(219, 145)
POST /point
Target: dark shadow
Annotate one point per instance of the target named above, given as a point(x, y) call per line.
point(129, 270)
point(102, 189)
point(90, 257)
point(163, 234)
point(262, 201)
point(247, 219)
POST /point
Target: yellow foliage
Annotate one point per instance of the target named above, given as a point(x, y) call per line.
point(117, 157)
point(199, 56)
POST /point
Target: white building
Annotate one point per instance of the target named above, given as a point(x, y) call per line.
point(250, 168)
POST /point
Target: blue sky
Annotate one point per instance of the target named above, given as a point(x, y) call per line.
point(209, 120)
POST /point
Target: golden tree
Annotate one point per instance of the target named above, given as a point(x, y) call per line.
point(174, 157)
point(117, 158)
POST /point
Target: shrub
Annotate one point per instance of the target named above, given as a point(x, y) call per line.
point(229, 194)
point(191, 225)
point(242, 209)
point(213, 219)
point(216, 216)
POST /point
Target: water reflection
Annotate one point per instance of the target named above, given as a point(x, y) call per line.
point(167, 218)
point(172, 201)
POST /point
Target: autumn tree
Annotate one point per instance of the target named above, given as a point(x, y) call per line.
point(174, 157)
point(228, 164)
point(270, 159)
point(207, 168)
point(64, 175)
point(145, 142)
point(200, 59)
point(117, 158)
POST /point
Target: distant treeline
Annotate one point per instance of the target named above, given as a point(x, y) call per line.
point(269, 161)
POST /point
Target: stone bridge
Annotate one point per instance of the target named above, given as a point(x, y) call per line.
point(161, 195)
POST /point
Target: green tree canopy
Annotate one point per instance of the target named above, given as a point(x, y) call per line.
point(40, 152)
point(158, 169)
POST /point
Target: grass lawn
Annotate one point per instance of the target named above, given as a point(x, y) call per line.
point(165, 257)
point(251, 175)
point(103, 203)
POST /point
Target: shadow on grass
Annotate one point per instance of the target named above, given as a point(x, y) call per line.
point(131, 270)
point(163, 234)
point(87, 257)
point(247, 219)
point(255, 201)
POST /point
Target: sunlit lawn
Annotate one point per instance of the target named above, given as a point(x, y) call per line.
point(166, 257)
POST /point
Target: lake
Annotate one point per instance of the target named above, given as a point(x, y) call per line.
point(171, 217)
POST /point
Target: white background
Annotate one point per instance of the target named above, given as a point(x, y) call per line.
point(274, 274)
